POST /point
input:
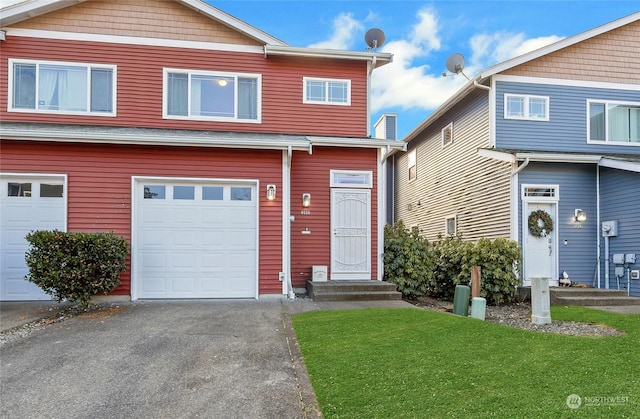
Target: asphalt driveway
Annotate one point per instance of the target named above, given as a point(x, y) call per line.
point(211, 359)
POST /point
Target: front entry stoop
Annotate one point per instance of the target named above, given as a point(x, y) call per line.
point(589, 297)
point(352, 291)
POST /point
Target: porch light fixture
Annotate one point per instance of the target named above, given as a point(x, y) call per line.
point(580, 215)
point(271, 192)
point(222, 82)
point(306, 200)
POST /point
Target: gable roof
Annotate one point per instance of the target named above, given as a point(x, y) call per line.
point(31, 8)
point(481, 77)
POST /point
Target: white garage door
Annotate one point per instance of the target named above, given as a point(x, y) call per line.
point(26, 204)
point(195, 239)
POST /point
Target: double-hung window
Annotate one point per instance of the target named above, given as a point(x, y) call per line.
point(214, 96)
point(614, 121)
point(534, 108)
point(326, 91)
point(62, 87)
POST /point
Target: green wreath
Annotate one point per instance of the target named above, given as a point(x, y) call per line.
point(540, 223)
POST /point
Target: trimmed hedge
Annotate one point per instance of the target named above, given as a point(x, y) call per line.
point(75, 266)
point(419, 267)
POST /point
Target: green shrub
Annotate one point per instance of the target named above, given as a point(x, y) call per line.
point(419, 267)
point(75, 266)
point(407, 260)
point(450, 254)
point(500, 260)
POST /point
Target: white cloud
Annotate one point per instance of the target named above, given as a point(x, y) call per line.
point(414, 79)
point(345, 28)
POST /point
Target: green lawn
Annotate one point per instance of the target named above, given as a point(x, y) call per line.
point(413, 363)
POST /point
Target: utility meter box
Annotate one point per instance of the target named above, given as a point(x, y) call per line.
point(319, 273)
point(618, 259)
point(610, 228)
point(630, 258)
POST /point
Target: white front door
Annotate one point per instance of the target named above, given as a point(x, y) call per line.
point(350, 234)
point(26, 204)
point(540, 252)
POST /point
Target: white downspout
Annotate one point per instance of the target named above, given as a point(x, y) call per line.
point(598, 230)
point(287, 286)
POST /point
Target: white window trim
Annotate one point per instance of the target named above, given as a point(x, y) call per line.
point(554, 198)
point(527, 115)
point(325, 102)
point(606, 129)
point(189, 73)
point(446, 225)
point(367, 173)
point(114, 89)
point(449, 127)
point(412, 161)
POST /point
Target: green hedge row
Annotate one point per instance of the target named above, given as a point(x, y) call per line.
point(419, 267)
point(75, 266)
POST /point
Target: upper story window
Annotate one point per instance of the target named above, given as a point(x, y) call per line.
point(411, 164)
point(447, 135)
point(326, 91)
point(614, 121)
point(535, 108)
point(62, 87)
point(212, 96)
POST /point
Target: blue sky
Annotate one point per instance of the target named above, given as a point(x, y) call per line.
point(422, 34)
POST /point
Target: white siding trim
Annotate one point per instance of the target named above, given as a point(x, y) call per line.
point(131, 40)
point(565, 82)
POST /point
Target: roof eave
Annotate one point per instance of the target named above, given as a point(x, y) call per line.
point(381, 58)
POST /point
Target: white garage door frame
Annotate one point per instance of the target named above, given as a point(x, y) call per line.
point(62, 226)
point(135, 240)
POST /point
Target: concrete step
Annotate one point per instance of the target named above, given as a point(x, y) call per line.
point(586, 292)
point(596, 301)
point(352, 291)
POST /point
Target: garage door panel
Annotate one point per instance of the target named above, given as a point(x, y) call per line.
point(19, 215)
point(209, 243)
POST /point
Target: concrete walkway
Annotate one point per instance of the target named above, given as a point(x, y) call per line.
point(161, 359)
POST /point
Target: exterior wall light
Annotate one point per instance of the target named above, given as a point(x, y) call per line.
point(271, 192)
point(580, 215)
point(306, 200)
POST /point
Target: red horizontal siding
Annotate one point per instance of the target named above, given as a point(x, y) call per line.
point(99, 186)
point(139, 90)
point(310, 174)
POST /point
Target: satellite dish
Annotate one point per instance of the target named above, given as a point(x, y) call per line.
point(455, 63)
point(374, 38)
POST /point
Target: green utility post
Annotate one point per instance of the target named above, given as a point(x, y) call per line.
point(461, 300)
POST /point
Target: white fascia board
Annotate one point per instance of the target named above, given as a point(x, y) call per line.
point(566, 42)
point(356, 142)
point(133, 40)
point(497, 155)
point(380, 57)
point(158, 140)
point(559, 157)
point(31, 8)
point(630, 166)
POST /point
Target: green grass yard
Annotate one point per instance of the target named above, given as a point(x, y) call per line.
point(414, 363)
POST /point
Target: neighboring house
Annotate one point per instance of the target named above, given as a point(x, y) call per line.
point(195, 136)
point(558, 130)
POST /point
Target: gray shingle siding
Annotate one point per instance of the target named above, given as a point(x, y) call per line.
point(620, 200)
point(577, 189)
point(566, 130)
point(454, 180)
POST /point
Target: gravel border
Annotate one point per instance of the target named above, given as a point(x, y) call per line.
point(519, 315)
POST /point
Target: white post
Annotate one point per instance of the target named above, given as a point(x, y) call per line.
point(540, 300)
